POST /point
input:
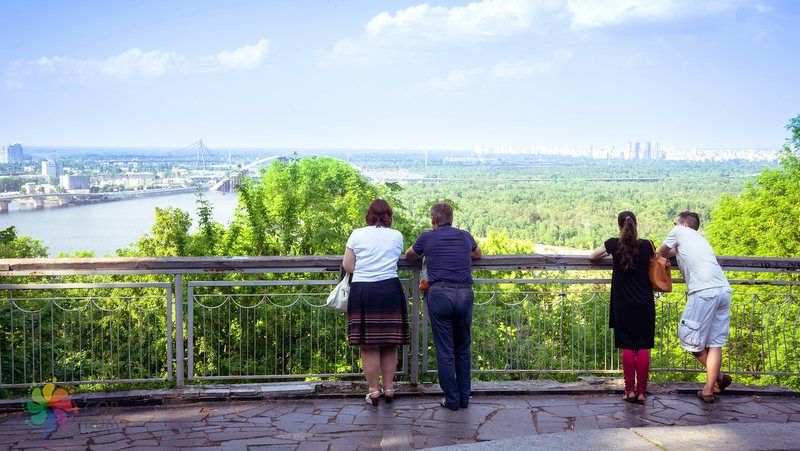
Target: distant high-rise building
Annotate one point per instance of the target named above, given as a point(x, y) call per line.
point(73, 181)
point(11, 154)
point(51, 171)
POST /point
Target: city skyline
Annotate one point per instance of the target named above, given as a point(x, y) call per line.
point(405, 75)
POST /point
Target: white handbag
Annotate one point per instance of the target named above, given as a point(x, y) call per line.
point(341, 292)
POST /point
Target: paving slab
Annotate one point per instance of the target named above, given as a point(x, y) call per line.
point(407, 423)
point(761, 436)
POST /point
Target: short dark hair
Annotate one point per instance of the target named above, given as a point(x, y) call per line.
point(690, 218)
point(379, 213)
point(442, 214)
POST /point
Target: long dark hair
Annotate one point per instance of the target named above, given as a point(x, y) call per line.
point(628, 241)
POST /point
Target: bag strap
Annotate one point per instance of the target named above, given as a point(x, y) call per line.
point(343, 273)
point(655, 252)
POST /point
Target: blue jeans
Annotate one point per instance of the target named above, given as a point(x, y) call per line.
point(450, 312)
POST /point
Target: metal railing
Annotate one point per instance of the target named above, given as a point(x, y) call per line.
point(85, 333)
point(263, 318)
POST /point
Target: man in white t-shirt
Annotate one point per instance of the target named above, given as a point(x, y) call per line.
point(705, 322)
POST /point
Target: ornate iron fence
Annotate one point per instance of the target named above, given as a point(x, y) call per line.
point(229, 327)
point(84, 333)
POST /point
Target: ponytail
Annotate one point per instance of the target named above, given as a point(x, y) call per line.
point(628, 241)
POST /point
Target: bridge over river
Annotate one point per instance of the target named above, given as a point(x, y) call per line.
point(39, 199)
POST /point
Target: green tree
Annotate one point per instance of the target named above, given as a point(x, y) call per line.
point(305, 206)
point(15, 246)
point(169, 236)
point(763, 219)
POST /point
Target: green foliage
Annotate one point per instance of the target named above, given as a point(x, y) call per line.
point(302, 207)
point(573, 204)
point(14, 183)
point(15, 246)
point(206, 242)
point(169, 236)
point(763, 219)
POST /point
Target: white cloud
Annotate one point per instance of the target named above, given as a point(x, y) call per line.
point(601, 13)
point(245, 57)
point(424, 26)
point(527, 67)
point(155, 63)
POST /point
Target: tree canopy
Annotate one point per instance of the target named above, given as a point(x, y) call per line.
point(763, 219)
point(305, 206)
point(16, 246)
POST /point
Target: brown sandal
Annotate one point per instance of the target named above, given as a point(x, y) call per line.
point(721, 385)
point(709, 399)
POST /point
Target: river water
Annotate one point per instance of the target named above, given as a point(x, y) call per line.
point(105, 227)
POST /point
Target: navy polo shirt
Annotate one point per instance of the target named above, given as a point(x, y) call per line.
point(447, 254)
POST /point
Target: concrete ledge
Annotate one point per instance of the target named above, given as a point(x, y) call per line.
point(761, 436)
point(340, 389)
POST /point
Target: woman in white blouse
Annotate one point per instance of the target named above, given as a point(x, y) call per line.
point(377, 317)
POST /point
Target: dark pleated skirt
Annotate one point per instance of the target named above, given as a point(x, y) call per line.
point(377, 314)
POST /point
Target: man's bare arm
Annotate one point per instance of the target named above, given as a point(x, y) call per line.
point(665, 251)
point(411, 255)
point(477, 253)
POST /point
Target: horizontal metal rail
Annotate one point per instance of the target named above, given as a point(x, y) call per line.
point(278, 328)
point(195, 265)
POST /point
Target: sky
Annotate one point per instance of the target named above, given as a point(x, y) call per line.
point(398, 75)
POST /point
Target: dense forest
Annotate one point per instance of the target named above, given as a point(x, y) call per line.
point(308, 206)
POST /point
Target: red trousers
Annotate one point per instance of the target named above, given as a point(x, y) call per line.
point(635, 366)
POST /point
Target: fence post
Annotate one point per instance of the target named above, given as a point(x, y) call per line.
point(190, 332)
point(415, 328)
point(179, 331)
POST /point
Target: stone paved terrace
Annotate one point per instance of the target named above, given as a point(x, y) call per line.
point(320, 423)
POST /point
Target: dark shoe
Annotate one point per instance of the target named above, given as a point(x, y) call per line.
point(388, 395)
point(721, 385)
point(464, 405)
point(708, 399)
point(641, 400)
point(444, 404)
point(629, 398)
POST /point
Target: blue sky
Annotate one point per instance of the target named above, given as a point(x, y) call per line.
point(398, 75)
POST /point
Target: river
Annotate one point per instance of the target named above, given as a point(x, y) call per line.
point(105, 227)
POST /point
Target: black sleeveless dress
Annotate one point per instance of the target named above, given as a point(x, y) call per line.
point(633, 312)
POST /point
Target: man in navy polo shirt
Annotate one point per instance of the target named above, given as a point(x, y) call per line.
point(448, 253)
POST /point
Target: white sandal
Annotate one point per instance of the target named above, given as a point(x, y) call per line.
point(371, 400)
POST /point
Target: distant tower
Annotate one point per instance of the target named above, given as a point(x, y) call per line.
point(426, 159)
point(202, 153)
point(51, 171)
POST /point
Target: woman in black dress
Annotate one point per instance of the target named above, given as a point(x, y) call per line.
point(633, 312)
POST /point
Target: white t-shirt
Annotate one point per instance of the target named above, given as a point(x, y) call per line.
point(377, 250)
point(696, 259)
